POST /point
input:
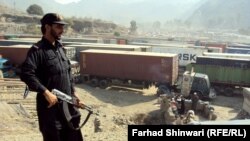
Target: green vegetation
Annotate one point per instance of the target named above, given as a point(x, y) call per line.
point(117, 34)
point(133, 27)
point(35, 9)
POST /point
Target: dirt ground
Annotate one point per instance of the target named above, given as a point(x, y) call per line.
point(117, 108)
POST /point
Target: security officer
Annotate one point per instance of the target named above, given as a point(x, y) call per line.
point(45, 68)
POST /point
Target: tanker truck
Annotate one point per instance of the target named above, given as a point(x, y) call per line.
point(104, 68)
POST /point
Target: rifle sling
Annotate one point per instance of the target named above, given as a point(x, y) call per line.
point(69, 117)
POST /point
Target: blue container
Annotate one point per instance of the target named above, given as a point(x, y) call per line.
point(225, 62)
point(239, 46)
point(237, 50)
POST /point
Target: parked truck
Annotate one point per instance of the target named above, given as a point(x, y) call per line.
point(140, 69)
point(227, 75)
point(6, 68)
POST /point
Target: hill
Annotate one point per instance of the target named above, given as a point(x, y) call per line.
point(15, 21)
point(117, 11)
point(225, 14)
point(219, 14)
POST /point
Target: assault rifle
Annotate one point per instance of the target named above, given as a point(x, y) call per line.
point(72, 100)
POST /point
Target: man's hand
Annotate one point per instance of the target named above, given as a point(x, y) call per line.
point(51, 98)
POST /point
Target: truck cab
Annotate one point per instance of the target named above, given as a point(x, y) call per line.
point(6, 68)
point(197, 82)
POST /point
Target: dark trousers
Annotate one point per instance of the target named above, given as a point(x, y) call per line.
point(65, 134)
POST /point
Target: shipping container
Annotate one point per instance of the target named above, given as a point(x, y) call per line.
point(237, 50)
point(224, 75)
point(170, 44)
point(122, 41)
point(139, 67)
point(214, 44)
point(71, 43)
point(187, 54)
point(113, 41)
point(227, 75)
point(86, 46)
point(141, 70)
point(83, 40)
point(224, 61)
point(16, 42)
point(237, 45)
point(15, 54)
point(227, 55)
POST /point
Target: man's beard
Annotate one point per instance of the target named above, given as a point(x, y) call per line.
point(53, 34)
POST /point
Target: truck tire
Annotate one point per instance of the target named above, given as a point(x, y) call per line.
point(77, 78)
point(217, 89)
point(162, 89)
point(200, 95)
point(229, 92)
point(103, 84)
point(94, 82)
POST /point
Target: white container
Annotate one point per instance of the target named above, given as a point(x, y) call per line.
point(187, 55)
point(227, 55)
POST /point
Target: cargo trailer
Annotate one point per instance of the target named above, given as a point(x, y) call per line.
point(187, 54)
point(237, 45)
point(237, 50)
point(15, 54)
point(16, 42)
point(226, 55)
point(223, 46)
point(83, 40)
point(227, 75)
point(85, 46)
point(105, 68)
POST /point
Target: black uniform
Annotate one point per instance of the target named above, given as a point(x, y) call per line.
point(47, 67)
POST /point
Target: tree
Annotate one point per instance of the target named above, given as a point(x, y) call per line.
point(83, 26)
point(35, 9)
point(133, 27)
point(116, 33)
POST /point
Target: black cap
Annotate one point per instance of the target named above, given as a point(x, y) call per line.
point(52, 18)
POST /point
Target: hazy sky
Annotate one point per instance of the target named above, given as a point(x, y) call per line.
point(121, 1)
point(118, 11)
point(66, 1)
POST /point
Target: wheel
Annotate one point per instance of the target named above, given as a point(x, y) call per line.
point(199, 94)
point(103, 84)
point(94, 82)
point(78, 79)
point(217, 90)
point(162, 89)
point(229, 92)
